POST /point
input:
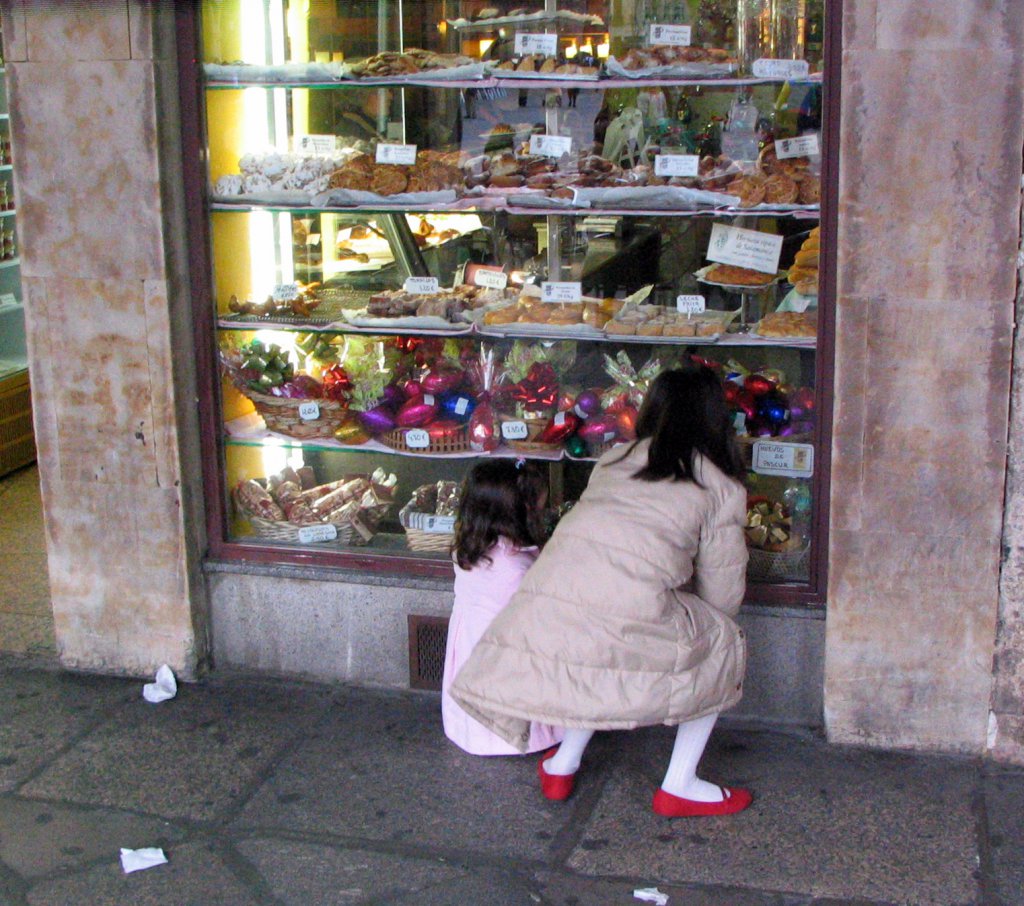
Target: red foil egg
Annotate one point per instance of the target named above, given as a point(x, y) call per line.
point(441, 380)
point(559, 428)
point(758, 384)
point(483, 431)
point(625, 421)
point(444, 429)
point(599, 429)
point(417, 411)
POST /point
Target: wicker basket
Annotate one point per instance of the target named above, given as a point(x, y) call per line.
point(534, 428)
point(356, 530)
point(456, 443)
point(778, 566)
point(420, 539)
point(746, 445)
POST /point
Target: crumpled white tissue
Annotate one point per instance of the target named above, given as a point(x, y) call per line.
point(138, 859)
point(651, 895)
point(164, 688)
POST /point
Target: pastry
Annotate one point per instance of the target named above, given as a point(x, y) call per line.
point(788, 324)
point(349, 179)
point(810, 190)
point(750, 189)
point(548, 65)
point(807, 258)
point(389, 179)
point(732, 275)
point(780, 189)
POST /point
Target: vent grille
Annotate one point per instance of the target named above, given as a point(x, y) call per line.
point(427, 639)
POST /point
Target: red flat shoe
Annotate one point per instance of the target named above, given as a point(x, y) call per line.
point(734, 800)
point(554, 786)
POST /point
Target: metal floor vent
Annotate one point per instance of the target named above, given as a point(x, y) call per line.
point(427, 639)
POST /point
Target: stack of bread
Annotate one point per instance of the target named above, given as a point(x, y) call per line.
point(804, 272)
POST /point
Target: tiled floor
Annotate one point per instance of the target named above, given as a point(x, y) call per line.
point(26, 619)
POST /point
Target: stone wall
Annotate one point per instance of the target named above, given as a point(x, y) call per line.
point(107, 310)
point(929, 198)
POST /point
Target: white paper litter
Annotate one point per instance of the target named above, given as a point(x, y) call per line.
point(650, 895)
point(164, 688)
point(139, 859)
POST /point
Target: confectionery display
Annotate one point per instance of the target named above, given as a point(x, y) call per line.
point(484, 236)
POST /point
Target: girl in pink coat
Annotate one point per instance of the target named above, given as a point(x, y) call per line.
point(496, 541)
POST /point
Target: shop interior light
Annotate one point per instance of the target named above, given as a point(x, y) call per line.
point(587, 49)
point(571, 50)
point(485, 45)
point(603, 49)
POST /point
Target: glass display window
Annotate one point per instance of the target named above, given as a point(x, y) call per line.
point(446, 230)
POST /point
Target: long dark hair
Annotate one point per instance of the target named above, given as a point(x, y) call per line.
point(500, 498)
point(685, 413)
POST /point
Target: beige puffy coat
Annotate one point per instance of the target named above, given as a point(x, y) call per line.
point(601, 633)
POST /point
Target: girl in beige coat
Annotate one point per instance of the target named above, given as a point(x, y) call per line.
point(626, 618)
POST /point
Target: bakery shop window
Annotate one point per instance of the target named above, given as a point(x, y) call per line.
point(441, 231)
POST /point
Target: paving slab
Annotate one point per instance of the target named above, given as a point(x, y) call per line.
point(579, 890)
point(825, 822)
point(41, 712)
point(38, 838)
point(193, 876)
point(380, 767)
point(191, 757)
point(1004, 803)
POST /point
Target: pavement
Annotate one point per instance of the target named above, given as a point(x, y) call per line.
point(271, 792)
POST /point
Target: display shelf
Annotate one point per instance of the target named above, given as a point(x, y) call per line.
point(11, 262)
point(6, 168)
point(8, 213)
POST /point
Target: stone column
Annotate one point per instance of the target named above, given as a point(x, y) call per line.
point(94, 129)
point(929, 193)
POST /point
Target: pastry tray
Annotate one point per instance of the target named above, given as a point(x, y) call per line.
point(701, 275)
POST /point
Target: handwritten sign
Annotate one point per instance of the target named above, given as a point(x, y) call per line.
point(801, 146)
point(690, 305)
point(676, 164)
point(309, 411)
point(310, 534)
point(561, 292)
point(673, 35)
point(492, 279)
point(514, 430)
point(421, 285)
point(745, 248)
point(316, 144)
point(550, 145)
point(396, 154)
point(7, 299)
point(285, 292)
point(417, 439)
point(536, 43)
point(780, 69)
point(428, 522)
point(790, 460)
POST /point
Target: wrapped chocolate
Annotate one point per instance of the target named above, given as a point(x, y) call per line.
point(769, 526)
point(630, 384)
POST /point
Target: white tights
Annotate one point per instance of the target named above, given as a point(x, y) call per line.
point(681, 777)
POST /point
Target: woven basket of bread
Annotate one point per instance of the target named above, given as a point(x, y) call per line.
point(429, 517)
point(778, 566)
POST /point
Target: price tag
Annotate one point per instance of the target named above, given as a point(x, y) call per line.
point(492, 279)
point(550, 145)
point(316, 144)
point(514, 430)
point(673, 35)
point(417, 439)
point(561, 292)
point(313, 239)
point(676, 164)
point(420, 285)
point(801, 146)
point(791, 460)
point(535, 43)
point(745, 248)
point(309, 410)
point(396, 154)
point(428, 522)
point(284, 292)
point(310, 534)
point(461, 405)
point(780, 69)
point(7, 299)
point(690, 305)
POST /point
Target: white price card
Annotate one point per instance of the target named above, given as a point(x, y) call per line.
point(309, 410)
point(7, 299)
point(428, 522)
point(396, 154)
point(283, 292)
point(673, 35)
point(790, 460)
point(316, 144)
point(492, 279)
point(550, 145)
point(536, 43)
point(461, 405)
point(690, 305)
point(801, 146)
point(417, 439)
point(312, 239)
point(561, 292)
point(420, 285)
point(780, 69)
point(514, 430)
point(676, 164)
point(745, 248)
point(310, 534)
